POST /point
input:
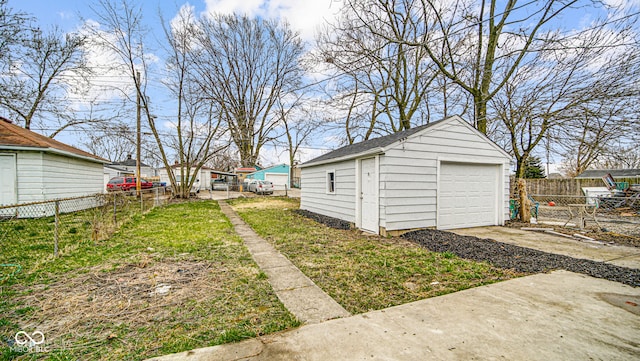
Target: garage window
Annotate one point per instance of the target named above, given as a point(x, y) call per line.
point(331, 182)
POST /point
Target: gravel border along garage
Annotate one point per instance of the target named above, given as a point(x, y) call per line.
point(502, 254)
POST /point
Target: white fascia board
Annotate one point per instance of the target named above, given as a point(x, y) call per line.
point(370, 152)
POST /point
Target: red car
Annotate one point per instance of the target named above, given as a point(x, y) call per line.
point(127, 184)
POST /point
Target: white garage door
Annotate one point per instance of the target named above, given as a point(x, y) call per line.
point(279, 180)
point(468, 195)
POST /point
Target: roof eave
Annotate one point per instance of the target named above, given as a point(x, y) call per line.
point(369, 152)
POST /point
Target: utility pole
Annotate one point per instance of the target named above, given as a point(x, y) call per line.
point(138, 184)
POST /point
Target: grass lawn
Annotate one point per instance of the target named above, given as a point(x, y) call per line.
point(362, 272)
point(171, 280)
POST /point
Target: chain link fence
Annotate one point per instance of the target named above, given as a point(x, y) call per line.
point(618, 214)
point(603, 204)
point(58, 223)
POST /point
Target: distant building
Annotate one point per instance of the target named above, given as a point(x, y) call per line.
point(615, 173)
point(129, 165)
point(279, 175)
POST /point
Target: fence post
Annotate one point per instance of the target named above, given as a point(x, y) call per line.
point(56, 229)
point(115, 201)
point(141, 202)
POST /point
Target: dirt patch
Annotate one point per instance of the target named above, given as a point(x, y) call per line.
point(264, 204)
point(133, 295)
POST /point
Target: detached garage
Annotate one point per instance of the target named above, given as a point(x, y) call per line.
point(441, 175)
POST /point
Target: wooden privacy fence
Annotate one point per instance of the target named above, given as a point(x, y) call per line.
point(565, 187)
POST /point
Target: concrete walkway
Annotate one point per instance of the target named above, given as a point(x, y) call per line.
point(297, 292)
point(557, 316)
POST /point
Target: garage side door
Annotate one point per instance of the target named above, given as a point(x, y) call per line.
point(278, 180)
point(467, 195)
point(7, 179)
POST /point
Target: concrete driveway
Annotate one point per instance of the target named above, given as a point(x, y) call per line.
point(618, 255)
point(556, 316)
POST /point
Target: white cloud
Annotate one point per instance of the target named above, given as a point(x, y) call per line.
point(304, 16)
point(622, 4)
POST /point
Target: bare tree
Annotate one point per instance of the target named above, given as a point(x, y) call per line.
point(113, 142)
point(619, 157)
point(198, 119)
point(41, 73)
point(299, 120)
point(13, 26)
point(477, 45)
point(383, 82)
point(195, 121)
point(245, 65)
point(579, 88)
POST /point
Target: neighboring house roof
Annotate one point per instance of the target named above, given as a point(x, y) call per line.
point(615, 173)
point(223, 173)
point(377, 145)
point(246, 170)
point(129, 162)
point(14, 137)
point(283, 165)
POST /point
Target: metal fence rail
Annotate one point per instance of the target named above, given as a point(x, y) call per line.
point(61, 222)
point(603, 204)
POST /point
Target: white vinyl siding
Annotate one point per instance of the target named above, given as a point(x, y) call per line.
point(43, 176)
point(408, 177)
point(66, 177)
point(339, 204)
point(408, 173)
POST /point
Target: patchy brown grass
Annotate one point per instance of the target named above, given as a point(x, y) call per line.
point(175, 279)
point(363, 272)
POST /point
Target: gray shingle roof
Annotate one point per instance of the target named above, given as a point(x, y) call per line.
point(615, 173)
point(130, 162)
point(370, 144)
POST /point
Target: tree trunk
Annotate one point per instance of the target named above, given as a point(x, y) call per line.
point(525, 207)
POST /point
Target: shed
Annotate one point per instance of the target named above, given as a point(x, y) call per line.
point(443, 175)
point(36, 168)
point(279, 175)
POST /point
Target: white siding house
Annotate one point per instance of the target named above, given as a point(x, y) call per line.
point(442, 175)
point(203, 179)
point(36, 168)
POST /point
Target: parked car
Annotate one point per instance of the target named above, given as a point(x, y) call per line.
point(263, 187)
point(127, 184)
point(249, 185)
point(219, 185)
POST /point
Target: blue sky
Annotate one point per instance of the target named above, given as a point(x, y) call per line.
point(304, 15)
point(69, 15)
